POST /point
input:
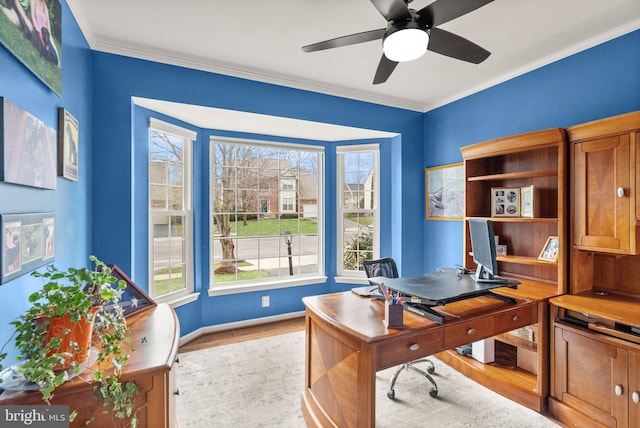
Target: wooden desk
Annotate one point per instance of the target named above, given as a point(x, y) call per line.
point(149, 367)
point(347, 343)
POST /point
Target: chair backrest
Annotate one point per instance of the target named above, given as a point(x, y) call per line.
point(382, 267)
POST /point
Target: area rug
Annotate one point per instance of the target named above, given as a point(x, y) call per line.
point(258, 383)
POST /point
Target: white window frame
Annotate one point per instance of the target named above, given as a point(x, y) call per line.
point(353, 276)
point(280, 282)
point(186, 294)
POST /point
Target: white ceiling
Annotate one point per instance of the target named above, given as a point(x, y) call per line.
point(261, 40)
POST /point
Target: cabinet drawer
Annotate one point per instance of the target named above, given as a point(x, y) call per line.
point(409, 348)
point(467, 332)
point(511, 320)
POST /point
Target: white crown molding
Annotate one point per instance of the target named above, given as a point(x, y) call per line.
point(178, 59)
point(229, 69)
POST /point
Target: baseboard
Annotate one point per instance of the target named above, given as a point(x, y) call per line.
point(237, 324)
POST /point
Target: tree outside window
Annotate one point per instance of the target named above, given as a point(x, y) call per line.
point(258, 192)
point(170, 212)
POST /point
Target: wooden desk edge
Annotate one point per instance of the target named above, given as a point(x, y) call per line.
point(313, 413)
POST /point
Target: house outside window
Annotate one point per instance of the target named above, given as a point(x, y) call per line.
point(170, 211)
point(358, 207)
point(262, 193)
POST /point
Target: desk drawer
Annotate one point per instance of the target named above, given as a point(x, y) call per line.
point(511, 320)
point(409, 348)
point(467, 332)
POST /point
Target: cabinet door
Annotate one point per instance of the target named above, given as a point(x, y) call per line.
point(591, 377)
point(634, 389)
point(602, 218)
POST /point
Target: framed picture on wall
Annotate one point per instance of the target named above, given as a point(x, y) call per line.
point(68, 132)
point(28, 242)
point(445, 192)
point(33, 34)
point(28, 148)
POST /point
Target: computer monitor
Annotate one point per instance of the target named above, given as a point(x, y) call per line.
point(483, 245)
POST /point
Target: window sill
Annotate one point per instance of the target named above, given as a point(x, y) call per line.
point(176, 301)
point(222, 290)
point(351, 280)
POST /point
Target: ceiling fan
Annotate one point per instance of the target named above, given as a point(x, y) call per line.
point(410, 33)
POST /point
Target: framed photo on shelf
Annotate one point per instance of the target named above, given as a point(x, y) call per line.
point(505, 202)
point(133, 299)
point(550, 250)
point(526, 201)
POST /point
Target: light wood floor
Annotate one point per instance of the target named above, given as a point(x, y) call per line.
point(246, 333)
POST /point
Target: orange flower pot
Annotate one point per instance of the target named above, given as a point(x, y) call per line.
point(79, 332)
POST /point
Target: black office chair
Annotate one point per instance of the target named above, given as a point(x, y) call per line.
point(387, 267)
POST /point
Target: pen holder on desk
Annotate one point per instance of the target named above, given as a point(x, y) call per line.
point(393, 315)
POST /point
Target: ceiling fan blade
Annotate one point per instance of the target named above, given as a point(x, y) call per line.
point(352, 39)
point(442, 11)
point(454, 46)
point(392, 10)
point(385, 68)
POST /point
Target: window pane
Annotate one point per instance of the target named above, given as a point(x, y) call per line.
point(175, 198)
point(168, 251)
point(158, 171)
point(175, 173)
point(359, 215)
point(158, 197)
point(168, 187)
point(260, 204)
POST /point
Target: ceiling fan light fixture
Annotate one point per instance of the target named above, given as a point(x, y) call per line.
point(405, 44)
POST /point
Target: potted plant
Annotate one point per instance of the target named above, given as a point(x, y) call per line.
point(51, 335)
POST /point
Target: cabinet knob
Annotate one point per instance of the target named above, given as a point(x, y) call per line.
point(620, 192)
point(471, 331)
point(414, 347)
point(515, 318)
point(635, 397)
point(618, 390)
point(176, 392)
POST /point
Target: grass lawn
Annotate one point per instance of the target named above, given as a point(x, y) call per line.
point(275, 227)
point(363, 221)
point(242, 276)
point(24, 50)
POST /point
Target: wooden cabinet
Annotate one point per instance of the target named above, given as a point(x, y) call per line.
point(539, 159)
point(604, 184)
point(155, 334)
point(596, 378)
point(596, 339)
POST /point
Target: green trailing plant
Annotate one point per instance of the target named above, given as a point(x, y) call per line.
point(89, 296)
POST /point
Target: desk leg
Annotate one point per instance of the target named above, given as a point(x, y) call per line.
point(339, 378)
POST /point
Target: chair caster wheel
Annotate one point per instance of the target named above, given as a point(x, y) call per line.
point(431, 370)
point(432, 392)
point(391, 394)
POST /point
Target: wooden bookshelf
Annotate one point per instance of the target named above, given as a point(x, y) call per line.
point(539, 159)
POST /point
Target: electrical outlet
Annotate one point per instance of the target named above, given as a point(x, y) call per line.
point(265, 301)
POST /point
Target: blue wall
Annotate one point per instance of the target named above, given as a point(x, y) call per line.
point(97, 215)
point(598, 82)
point(119, 151)
point(71, 201)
